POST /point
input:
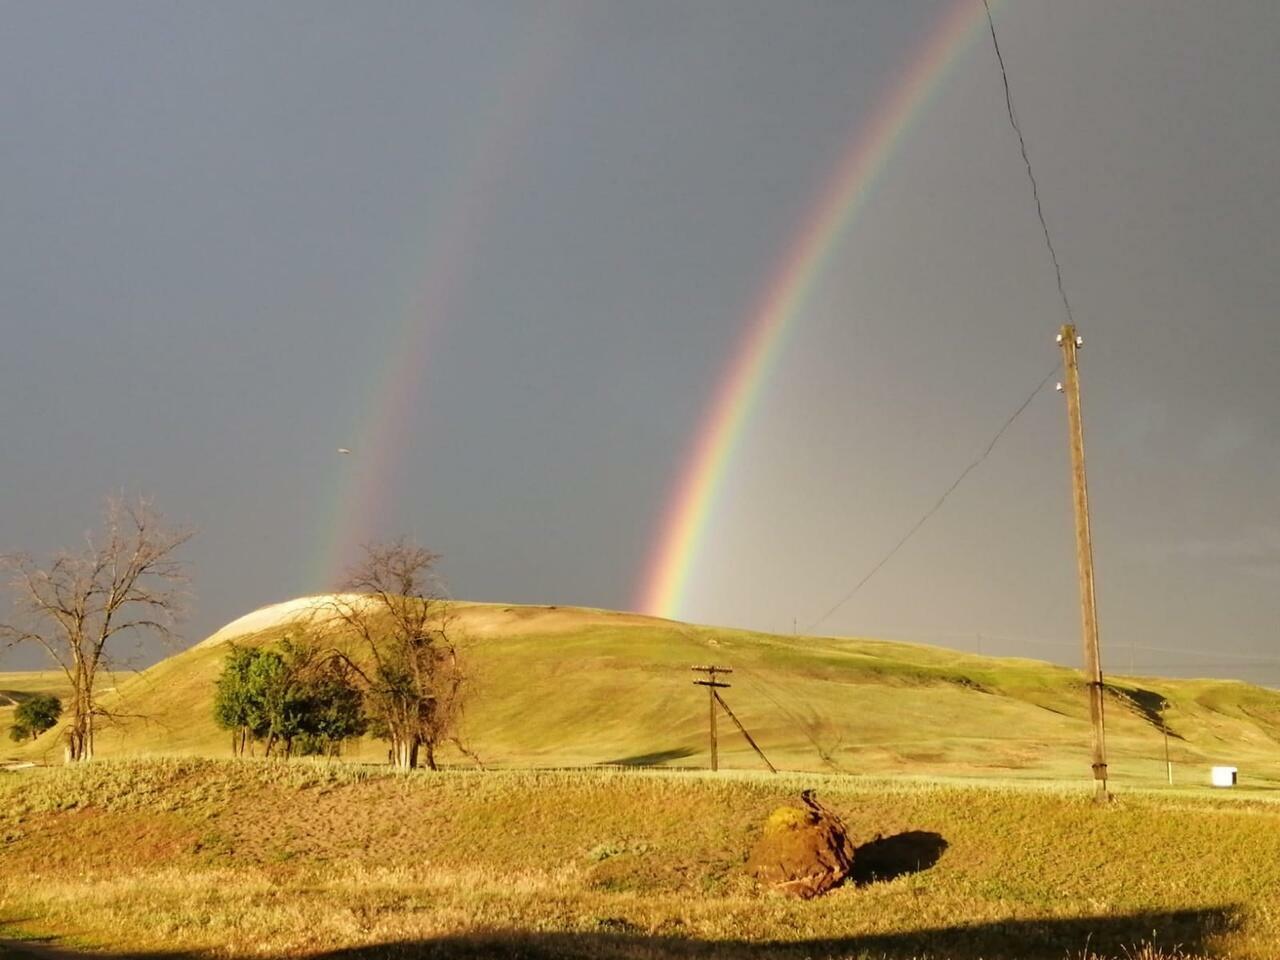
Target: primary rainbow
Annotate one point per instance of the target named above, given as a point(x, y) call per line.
point(782, 300)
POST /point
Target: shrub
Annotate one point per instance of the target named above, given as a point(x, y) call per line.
point(34, 716)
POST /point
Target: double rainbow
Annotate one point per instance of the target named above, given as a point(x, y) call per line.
point(682, 531)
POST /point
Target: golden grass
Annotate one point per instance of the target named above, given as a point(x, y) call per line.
point(307, 859)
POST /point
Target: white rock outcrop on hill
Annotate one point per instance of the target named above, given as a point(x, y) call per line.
point(271, 616)
point(477, 619)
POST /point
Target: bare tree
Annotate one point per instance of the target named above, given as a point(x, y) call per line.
point(414, 678)
point(82, 605)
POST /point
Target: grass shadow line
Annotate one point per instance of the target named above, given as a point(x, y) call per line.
point(1186, 934)
point(654, 759)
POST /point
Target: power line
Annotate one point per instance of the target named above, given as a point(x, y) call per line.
point(1026, 159)
point(1066, 303)
point(924, 518)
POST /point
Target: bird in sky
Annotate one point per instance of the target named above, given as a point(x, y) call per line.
point(343, 450)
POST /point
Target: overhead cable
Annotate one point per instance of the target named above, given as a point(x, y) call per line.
point(1026, 159)
point(924, 518)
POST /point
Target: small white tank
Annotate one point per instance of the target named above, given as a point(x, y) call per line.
point(1223, 776)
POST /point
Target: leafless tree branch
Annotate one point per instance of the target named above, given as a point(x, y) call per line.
point(127, 581)
point(415, 682)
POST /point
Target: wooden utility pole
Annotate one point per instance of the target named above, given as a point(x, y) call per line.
point(713, 688)
point(1070, 342)
point(711, 684)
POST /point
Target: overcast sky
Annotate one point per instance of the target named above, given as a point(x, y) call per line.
point(224, 227)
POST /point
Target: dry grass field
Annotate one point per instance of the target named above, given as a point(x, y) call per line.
point(185, 857)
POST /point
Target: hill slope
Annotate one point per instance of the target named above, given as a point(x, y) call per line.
point(571, 686)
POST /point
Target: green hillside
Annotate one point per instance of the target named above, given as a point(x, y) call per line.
point(573, 687)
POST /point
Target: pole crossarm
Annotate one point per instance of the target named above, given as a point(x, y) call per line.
point(713, 687)
point(712, 684)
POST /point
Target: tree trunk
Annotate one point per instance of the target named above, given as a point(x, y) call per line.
point(404, 754)
point(79, 731)
point(431, 754)
point(76, 738)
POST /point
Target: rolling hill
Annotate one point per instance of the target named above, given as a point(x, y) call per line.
point(557, 686)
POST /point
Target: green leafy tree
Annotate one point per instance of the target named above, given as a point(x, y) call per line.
point(336, 712)
point(283, 700)
point(235, 706)
point(256, 699)
point(34, 716)
point(287, 696)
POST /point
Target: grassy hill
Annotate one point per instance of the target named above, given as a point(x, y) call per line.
point(176, 858)
point(573, 687)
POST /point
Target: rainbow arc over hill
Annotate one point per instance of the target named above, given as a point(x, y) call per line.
point(782, 301)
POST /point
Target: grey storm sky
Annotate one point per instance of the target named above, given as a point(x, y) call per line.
point(217, 222)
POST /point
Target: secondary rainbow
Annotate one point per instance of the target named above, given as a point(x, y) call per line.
point(683, 529)
point(392, 419)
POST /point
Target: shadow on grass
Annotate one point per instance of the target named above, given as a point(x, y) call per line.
point(657, 758)
point(887, 858)
point(1190, 931)
point(1147, 704)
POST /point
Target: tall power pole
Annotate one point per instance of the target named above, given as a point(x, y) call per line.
point(1070, 342)
point(714, 687)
